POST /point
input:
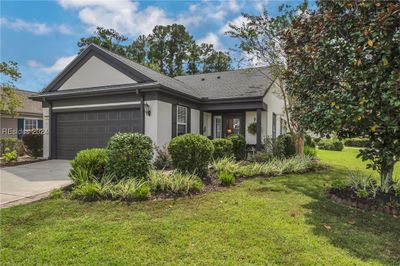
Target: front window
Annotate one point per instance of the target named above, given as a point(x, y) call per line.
point(181, 120)
point(30, 124)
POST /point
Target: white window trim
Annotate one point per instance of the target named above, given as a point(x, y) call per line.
point(36, 123)
point(180, 123)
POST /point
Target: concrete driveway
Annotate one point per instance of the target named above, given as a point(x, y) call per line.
point(30, 182)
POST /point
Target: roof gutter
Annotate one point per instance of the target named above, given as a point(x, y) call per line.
point(95, 91)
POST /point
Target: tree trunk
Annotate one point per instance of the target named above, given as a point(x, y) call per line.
point(299, 143)
point(387, 173)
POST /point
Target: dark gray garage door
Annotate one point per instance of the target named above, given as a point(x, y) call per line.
point(92, 129)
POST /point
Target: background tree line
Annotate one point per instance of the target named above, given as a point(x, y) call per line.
point(169, 49)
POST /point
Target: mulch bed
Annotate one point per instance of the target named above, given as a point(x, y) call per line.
point(386, 203)
point(21, 161)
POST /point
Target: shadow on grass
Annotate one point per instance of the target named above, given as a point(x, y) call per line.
point(366, 235)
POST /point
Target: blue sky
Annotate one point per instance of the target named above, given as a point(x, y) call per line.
point(42, 35)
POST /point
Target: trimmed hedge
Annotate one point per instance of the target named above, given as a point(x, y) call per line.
point(222, 148)
point(239, 146)
point(286, 145)
point(33, 141)
point(191, 153)
point(357, 142)
point(129, 155)
point(330, 144)
point(91, 160)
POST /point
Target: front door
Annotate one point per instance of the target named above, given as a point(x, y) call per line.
point(233, 124)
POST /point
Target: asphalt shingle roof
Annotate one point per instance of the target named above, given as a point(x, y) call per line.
point(228, 84)
point(250, 82)
point(28, 106)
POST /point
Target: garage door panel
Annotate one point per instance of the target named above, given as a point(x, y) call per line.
point(92, 129)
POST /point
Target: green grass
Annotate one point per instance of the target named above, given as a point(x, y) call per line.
point(282, 220)
point(347, 159)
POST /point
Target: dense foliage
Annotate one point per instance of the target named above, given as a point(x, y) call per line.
point(286, 145)
point(92, 160)
point(331, 144)
point(343, 66)
point(169, 49)
point(357, 142)
point(222, 148)
point(175, 182)
point(239, 146)
point(163, 159)
point(9, 100)
point(129, 155)
point(191, 153)
point(33, 141)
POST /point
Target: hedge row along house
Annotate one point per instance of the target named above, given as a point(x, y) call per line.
point(100, 93)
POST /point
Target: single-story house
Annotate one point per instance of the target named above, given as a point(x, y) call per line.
point(101, 93)
point(30, 116)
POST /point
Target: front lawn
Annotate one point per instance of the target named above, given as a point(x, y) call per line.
point(281, 220)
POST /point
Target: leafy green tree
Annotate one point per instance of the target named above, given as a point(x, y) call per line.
point(217, 61)
point(109, 39)
point(169, 49)
point(10, 101)
point(259, 40)
point(343, 66)
point(137, 51)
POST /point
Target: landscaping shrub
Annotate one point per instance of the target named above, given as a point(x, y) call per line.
point(175, 182)
point(20, 147)
point(191, 153)
point(129, 155)
point(7, 143)
point(88, 191)
point(163, 159)
point(222, 148)
point(9, 156)
point(308, 141)
point(287, 145)
point(81, 175)
point(131, 189)
point(330, 144)
point(226, 178)
point(275, 167)
point(239, 146)
point(12, 144)
point(357, 142)
point(226, 164)
point(108, 187)
point(93, 161)
point(262, 156)
point(310, 151)
point(33, 142)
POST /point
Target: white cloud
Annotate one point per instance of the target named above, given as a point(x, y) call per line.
point(128, 18)
point(57, 66)
point(34, 27)
point(123, 16)
point(238, 21)
point(211, 38)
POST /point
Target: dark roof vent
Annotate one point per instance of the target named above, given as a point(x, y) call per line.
point(203, 79)
point(219, 77)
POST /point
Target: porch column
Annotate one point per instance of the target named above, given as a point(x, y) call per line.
point(201, 122)
point(258, 143)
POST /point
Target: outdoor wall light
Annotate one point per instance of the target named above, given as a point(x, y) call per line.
point(147, 109)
